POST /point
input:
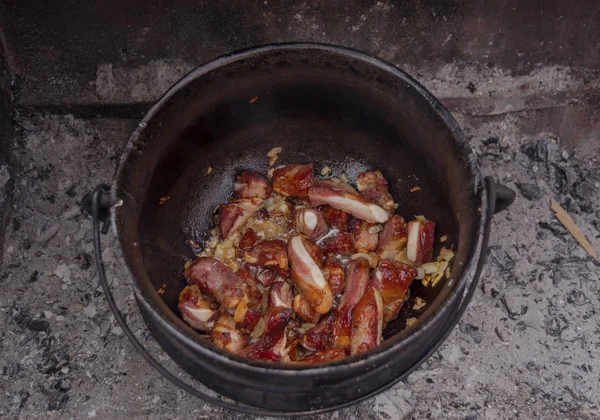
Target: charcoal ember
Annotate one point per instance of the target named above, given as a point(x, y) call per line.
point(559, 179)
point(18, 401)
point(84, 260)
point(529, 190)
point(57, 400)
point(38, 325)
point(540, 151)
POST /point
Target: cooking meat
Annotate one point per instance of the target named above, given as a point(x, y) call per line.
point(249, 239)
point(367, 322)
point(335, 218)
point(226, 336)
point(268, 254)
point(365, 236)
point(217, 280)
point(196, 310)
point(392, 279)
point(266, 276)
point(280, 295)
point(419, 247)
point(341, 243)
point(307, 275)
point(319, 336)
point(310, 222)
point(307, 271)
point(392, 238)
point(343, 197)
point(293, 180)
point(247, 312)
point(303, 310)
point(272, 343)
point(374, 187)
point(250, 184)
point(357, 276)
point(326, 355)
point(334, 274)
point(233, 215)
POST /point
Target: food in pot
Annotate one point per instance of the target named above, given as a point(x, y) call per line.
point(307, 270)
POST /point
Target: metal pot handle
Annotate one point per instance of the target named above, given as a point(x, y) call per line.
point(99, 204)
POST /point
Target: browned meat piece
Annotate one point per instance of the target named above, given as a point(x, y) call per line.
point(266, 276)
point(280, 295)
point(217, 280)
point(200, 313)
point(364, 235)
point(392, 279)
point(341, 243)
point(249, 239)
point(374, 187)
point(367, 322)
point(326, 355)
point(304, 311)
point(246, 318)
point(249, 184)
point(357, 276)
point(307, 275)
point(310, 222)
point(334, 274)
point(392, 239)
point(293, 180)
point(319, 336)
point(272, 344)
point(233, 215)
point(336, 219)
point(342, 197)
point(419, 247)
point(247, 312)
point(268, 254)
point(226, 336)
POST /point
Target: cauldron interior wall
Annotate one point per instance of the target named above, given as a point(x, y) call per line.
point(375, 124)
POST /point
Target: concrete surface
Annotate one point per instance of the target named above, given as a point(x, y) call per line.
point(521, 79)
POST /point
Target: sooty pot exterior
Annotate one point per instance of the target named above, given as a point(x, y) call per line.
point(321, 104)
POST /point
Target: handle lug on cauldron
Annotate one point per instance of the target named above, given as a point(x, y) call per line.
point(502, 195)
point(104, 203)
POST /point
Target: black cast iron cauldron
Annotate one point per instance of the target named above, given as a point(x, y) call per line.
point(322, 104)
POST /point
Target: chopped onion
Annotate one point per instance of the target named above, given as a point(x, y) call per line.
point(274, 151)
point(444, 238)
point(445, 254)
point(430, 267)
point(325, 171)
point(419, 303)
point(240, 311)
point(436, 279)
point(371, 257)
point(401, 257)
point(259, 329)
point(344, 178)
point(420, 273)
point(375, 229)
point(388, 254)
point(410, 321)
point(421, 218)
point(187, 264)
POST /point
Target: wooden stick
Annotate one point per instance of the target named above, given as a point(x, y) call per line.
point(573, 229)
